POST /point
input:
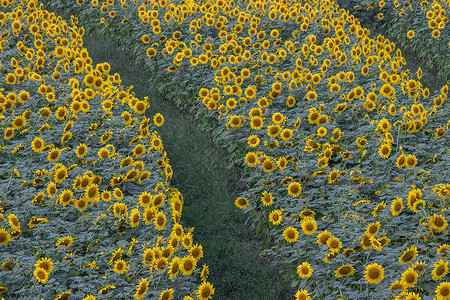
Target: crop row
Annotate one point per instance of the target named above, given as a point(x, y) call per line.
point(86, 209)
point(344, 150)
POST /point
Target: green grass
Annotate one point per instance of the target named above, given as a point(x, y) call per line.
point(209, 189)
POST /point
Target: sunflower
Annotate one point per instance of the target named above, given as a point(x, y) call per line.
point(41, 275)
point(396, 206)
point(141, 288)
point(273, 130)
point(397, 285)
point(438, 222)
point(294, 188)
point(188, 265)
point(65, 197)
point(37, 144)
point(374, 273)
point(410, 34)
point(267, 198)
point(268, 165)
point(411, 161)
point(8, 133)
point(120, 266)
point(384, 151)
point(304, 270)
point(103, 153)
point(60, 174)
point(401, 161)
point(372, 229)
point(309, 225)
point(14, 222)
point(159, 221)
point(440, 269)
point(53, 155)
point(409, 278)
point(323, 237)
point(205, 291)
point(138, 150)
point(89, 297)
point(276, 216)
point(174, 267)
point(158, 119)
point(256, 123)
point(361, 142)
point(145, 199)
point(346, 270)
point(251, 159)
point(290, 234)
point(334, 244)
point(65, 241)
point(18, 122)
point(302, 295)
point(134, 217)
point(253, 141)
point(5, 236)
point(408, 255)
point(443, 291)
point(81, 204)
point(158, 200)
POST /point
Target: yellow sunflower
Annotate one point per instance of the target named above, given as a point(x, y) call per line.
point(290, 234)
point(374, 273)
point(205, 291)
point(440, 269)
point(37, 144)
point(346, 270)
point(304, 270)
point(294, 188)
point(141, 288)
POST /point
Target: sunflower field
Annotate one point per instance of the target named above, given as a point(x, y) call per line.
point(344, 150)
point(86, 210)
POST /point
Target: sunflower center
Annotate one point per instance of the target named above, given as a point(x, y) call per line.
point(438, 222)
point(206, 292)
point(345, 270)
point(445, 291)
point(374, 273)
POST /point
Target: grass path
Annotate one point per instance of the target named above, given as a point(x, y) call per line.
point(231, 250)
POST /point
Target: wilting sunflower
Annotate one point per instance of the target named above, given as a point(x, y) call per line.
point(408, 255)
point(346, 270)
point(205, 291)
point(304, 270)
point(440, 269)
point(141, 288)
point(374, 273)
point(290, 234)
